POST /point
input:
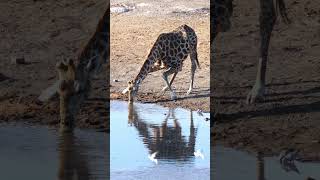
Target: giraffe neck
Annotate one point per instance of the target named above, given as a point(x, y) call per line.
point(147, 66)
point(98, 45)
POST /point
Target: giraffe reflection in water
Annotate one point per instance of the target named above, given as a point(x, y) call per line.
point(165, 139)
point(261, 168)
point(73, 164)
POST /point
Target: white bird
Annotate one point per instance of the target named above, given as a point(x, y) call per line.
point(287, 160)
point(199, 153)
point(199, 111)
point(152, 157)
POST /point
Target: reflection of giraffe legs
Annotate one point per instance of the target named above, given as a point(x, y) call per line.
point(163, 128)
point(260, 167)
point(156, 134)
point(192, 136)
point(165, 139)
point(71, 162)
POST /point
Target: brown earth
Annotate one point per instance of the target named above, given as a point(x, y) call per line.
point(43, 32)
point(288, 117)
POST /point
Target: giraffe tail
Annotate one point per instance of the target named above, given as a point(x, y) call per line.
point(281, 8)
point(198, 64)
point(194, 59)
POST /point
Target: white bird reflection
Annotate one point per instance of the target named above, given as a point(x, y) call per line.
point(198, 154)
point(152, 157)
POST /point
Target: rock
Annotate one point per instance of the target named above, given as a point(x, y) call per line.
point(3, 77)
point(18, 60)
point(49, 93)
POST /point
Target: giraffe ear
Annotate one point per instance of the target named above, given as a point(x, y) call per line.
point(125, 90)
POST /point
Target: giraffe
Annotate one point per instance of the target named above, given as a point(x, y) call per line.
point(73, 164)
point(157, 136)
point(74, 79)
point(168, 53)
point(220, 22)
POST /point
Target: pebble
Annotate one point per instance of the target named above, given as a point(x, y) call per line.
point(115, 80)
point(18, 60)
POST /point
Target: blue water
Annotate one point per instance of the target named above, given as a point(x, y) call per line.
point(175, 134)
point(39, 152)
point(230, 164)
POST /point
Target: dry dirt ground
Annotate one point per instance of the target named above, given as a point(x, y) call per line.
point(43, 32)
point(134, 33)
point(289, 116)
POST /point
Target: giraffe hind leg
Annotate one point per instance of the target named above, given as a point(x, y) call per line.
point(194, 61)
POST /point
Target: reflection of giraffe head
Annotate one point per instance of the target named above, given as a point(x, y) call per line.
point(132, 91)
point(132, 114)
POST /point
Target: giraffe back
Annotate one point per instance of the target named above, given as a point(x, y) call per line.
point(174, 47)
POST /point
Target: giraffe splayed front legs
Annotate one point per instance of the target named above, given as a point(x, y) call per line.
point(168, 53)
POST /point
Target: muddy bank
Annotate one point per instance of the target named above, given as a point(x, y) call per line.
point(288, 116)
point(43, 33)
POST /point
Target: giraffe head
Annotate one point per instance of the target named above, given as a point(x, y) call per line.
point(68, 89)
point(132, 90)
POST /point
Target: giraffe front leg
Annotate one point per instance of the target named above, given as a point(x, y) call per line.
point(165, 75)
point(267, 20)
point(164, 89)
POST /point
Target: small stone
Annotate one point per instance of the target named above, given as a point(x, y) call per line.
point(115, 80)
point(18, 60)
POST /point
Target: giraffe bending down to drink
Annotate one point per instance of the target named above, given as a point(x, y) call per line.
point(220, 22)
point(75, 79)
point(168, 53)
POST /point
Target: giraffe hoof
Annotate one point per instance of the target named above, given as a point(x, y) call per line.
point(256, 93)
point(189, 91)
point(164, 89)
point(173, 97)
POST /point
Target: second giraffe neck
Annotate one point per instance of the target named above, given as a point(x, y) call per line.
point(98, 44)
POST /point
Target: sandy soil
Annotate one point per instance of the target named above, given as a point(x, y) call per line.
point(289, 115)
point(132, 36)
point(43, 32)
